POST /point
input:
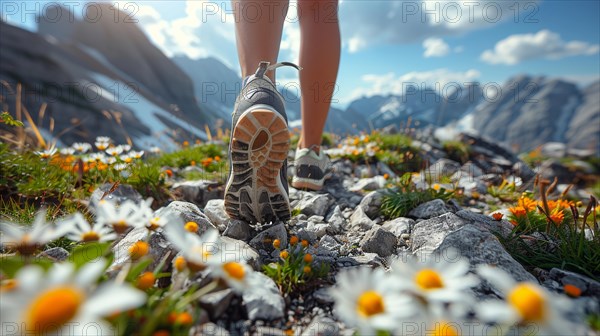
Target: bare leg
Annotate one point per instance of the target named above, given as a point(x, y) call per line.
point(319, 59)
point(258, 27)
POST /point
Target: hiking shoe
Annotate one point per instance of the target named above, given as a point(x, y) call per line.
point(257, 190)
point(312, 169)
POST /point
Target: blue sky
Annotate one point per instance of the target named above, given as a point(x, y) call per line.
point(387, 44)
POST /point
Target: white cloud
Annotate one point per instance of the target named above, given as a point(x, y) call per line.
point(544, 44)
point(366, 23)
point(205, 30)
point(390, 83)
point(435, 47)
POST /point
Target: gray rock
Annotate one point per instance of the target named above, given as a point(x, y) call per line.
point(316, 219)
point(482, 247)
point(367, 259)
point(328, 246)
point(122, 193)
point(399, 226)
point(588, 286)
point(264, 302)
point(385, 169)
point(370, 183)
point(371, 204)
point(314, 204)
point(502, 227)
point(319, 229)
point(160, 248)
point(555, 150)
point(304, 234)
point(238, 229)
point(472, 241)
point(188, 212)
point(430, 209)
point(239, 250)
point(208, 329)
point(56, 254)
point(442, 167)
point(215, 211)
point(359, 221)
point(336, 220)
point(198, 192)
point(322, 326)
point(264, 240)
point(322, 296)
point(379, 240)
point(216, 303)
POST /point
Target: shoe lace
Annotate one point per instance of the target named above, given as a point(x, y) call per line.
point(265, 66)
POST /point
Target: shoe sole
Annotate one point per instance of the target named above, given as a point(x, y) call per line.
point(259, 147)
point(300, 183)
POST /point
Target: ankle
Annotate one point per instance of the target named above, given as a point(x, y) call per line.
point(315, 148)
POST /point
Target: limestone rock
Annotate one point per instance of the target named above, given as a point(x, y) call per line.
point(263, 302)
point(379, 240)
point(371, 204)
point(430, 209)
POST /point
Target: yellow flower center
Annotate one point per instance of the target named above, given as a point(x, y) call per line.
point(138, 250)
point(370, 303)
point(154, 223)
point(180, 263)
point(234, 270)
point(128, 160)
point(191, 227)
point(90, 236)
point(52, 309)
point(429, 279)
point(528, 301)
point(146, 280)
point(443, 328)
point(8, 285)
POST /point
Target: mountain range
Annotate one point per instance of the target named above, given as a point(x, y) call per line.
point(107, 78)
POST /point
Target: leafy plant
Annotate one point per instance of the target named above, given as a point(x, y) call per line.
point(399, 200)
point(456, 150)
point(295, 267)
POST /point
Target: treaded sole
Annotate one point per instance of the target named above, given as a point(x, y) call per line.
point(300, 183)
point(259, 147)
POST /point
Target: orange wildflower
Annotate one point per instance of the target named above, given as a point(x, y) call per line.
point(572, 290)
point(527, 203)
point(557, 217)
point(497, 216)
point(169, 172)
point(518, 211)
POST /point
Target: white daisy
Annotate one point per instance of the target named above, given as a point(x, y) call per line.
point(111, 160)
point(78, 229)
point(103, 139)
point(102, 145)
point(526, 305)
point(125, 147)
point(65, 302)
point(438, 278)
point(119, 217)
point(237, 275)
point(27, 239)
point(81, 147)
point(367, 299)
point(127, 158)
point(67, 151)
point(155, 150)
point(120, 166)
point(114, 151)
point(97, 157)
point(197, 251)
point(136, 154)
point(47, 153)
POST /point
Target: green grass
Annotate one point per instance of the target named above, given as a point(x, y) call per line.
point(399, 200)
point(562, 245)
point(456, 150)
